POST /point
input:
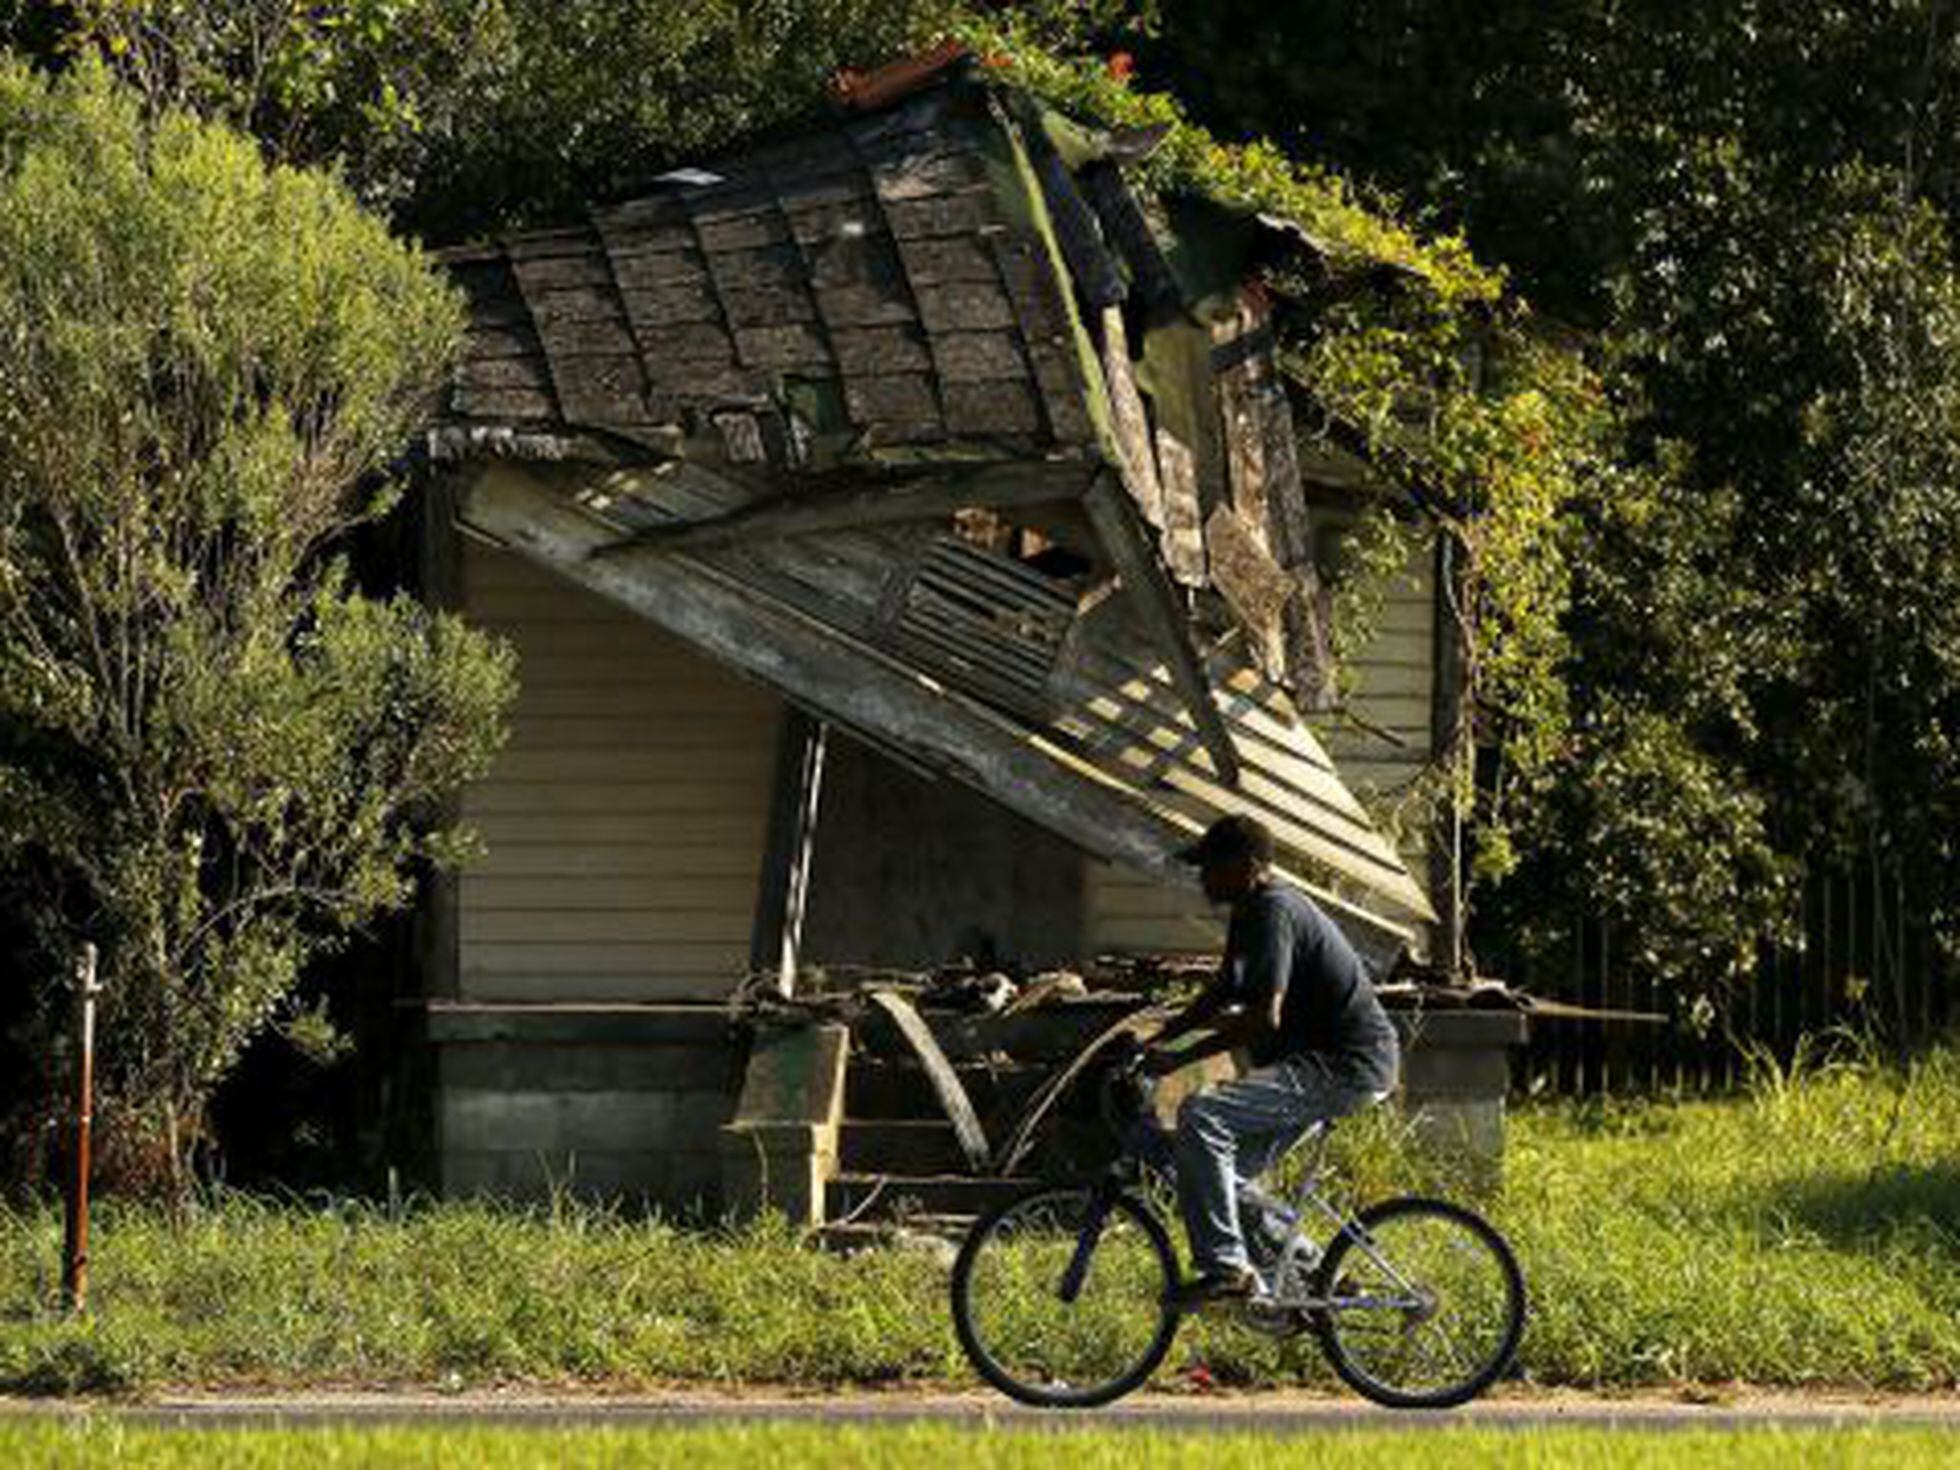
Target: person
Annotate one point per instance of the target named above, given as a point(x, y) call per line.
point(1291, 992)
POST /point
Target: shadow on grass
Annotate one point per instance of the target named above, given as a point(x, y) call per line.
point(1853, 1207)
point(67, 1366)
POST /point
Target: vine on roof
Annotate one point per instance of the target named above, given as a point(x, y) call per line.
point(1445, 383)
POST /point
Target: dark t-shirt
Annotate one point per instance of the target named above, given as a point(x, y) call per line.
point(1279, 938)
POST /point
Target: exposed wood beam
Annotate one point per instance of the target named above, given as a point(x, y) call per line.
point(860, 688)
point(995, 487)
point(946, 1085)
point(1123, 536)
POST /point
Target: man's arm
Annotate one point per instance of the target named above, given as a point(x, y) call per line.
point(1263, 950)
point(1213, 1000)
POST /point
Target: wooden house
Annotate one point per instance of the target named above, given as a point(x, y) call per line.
point(907, 545)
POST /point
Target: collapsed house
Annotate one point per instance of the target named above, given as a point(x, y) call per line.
point(905, 537)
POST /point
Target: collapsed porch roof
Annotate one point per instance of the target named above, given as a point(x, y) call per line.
point(911, 420)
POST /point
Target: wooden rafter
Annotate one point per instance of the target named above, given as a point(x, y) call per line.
point(995, 487)
point(1127, 543)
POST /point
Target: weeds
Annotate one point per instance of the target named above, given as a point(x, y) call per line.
point(1809, 1233)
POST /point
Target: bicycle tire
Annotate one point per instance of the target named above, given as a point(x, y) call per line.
point(1149, 1297)
point(1348, 1267)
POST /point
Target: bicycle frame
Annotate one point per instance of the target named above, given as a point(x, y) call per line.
point(1306, 1197)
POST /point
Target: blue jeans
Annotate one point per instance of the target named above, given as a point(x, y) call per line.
point(1228, 1135)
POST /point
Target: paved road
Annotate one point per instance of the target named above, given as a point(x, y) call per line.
point(1211, 1413)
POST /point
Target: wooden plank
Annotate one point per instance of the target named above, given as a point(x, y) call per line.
point(805, 513)
point(1126, 541)
point(601, 390)
point(772, 265)
point(1256, 587)
point(861, 689)
point(1130, 422)
point(677, 889)
point(726, 923)
point(927, 175)
point(643, 797)
point(657, 853)
point(1128, 232)
point(485, 342)
point(939, 1072)
point(564, 272)
point(768, 307)
point(505, 372)
point(536, 245)
point(1033, 283)
point(758, 230)
point(1183, 539)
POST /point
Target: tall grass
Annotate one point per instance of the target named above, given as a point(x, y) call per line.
point(1806, 1234)
point(790, 1447)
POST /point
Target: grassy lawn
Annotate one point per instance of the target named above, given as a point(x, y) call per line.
point(928, 1448)
point(1809, 1234)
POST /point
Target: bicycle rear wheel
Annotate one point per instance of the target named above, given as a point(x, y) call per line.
point(1028, 1335)
point(1425, 1304)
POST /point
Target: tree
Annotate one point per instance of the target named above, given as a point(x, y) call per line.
point(217, 757)
point(1747, 204)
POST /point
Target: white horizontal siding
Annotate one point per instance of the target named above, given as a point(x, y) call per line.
point(624, 822)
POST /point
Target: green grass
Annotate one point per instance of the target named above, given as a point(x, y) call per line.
point(1809, 1234)
point(788, 1447)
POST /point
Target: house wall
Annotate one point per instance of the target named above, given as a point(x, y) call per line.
point(1393, 690)
point(624, 824)
point(912, 872)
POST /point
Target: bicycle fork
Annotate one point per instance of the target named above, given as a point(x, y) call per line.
point(1088, 1235)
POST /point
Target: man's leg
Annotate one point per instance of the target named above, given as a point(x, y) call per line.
point(1239, 1129)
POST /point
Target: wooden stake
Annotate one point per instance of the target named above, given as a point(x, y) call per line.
point(74, 1270)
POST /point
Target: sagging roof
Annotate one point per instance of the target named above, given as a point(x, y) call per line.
point(931, 422)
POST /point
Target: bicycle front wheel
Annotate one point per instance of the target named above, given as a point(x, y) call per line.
point(1062, 1297)
point(1424, 1304)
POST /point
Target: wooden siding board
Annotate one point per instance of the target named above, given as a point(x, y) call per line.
point(623, 840)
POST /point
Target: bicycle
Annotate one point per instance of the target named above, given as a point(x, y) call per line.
point(1062, 1296)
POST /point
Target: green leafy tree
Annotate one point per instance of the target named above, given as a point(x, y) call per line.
point(217, 756)
point(1748, 205)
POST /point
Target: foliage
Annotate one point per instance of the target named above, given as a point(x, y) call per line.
point(922, 1446)
point(1749, 204)
point(216, 756)
point(1447, 383)
point(515, 108)
point(1806, 1234)
point(457, 115)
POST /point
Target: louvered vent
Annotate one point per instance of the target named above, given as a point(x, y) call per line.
point(983, 623)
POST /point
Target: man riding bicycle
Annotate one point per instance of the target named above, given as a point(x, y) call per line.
point(1293, 994)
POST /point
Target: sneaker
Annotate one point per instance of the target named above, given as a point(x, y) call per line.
point(1233, 1284)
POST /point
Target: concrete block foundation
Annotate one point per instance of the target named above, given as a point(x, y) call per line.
point(616, 1102)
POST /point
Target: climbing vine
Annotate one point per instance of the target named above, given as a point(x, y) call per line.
point(1411, 351)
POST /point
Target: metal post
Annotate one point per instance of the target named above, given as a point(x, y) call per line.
point(74, 1269)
